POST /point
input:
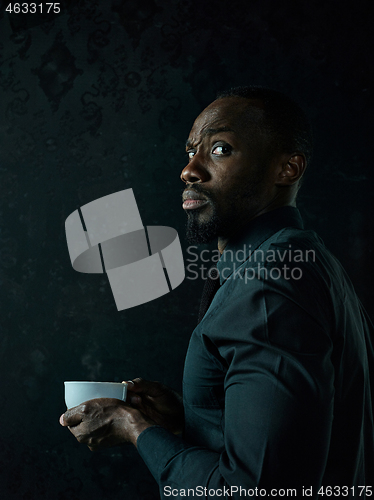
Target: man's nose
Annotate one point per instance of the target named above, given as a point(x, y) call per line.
point(195, 171)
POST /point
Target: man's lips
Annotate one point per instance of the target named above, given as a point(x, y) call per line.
point(192, 199)
point(191, 204)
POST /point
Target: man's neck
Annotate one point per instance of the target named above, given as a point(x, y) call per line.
point(222, 241)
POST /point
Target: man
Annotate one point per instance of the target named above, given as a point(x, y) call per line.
point(276, 388)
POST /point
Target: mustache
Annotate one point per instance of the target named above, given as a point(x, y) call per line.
point(199, 189)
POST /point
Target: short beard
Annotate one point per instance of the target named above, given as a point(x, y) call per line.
point(222, 222)
point(202, 232)
point(218, 225)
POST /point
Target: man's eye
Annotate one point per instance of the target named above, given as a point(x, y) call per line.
point(191, 154)
point(221, 150)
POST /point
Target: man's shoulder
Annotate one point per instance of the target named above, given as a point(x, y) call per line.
point(296, 238)
point(295, 247)
point(290, 258)
point(299, 247)
point(296, 263)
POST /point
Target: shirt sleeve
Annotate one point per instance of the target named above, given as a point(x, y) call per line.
point(273, 336)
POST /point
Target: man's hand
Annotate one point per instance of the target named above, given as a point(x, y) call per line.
point(104, 422)
point(159, 403)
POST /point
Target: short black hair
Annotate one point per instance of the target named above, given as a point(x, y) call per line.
point(285, 122)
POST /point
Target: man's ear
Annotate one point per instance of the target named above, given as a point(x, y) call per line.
point(292, 169)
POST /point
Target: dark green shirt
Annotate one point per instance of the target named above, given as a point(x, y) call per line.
point(276, 385)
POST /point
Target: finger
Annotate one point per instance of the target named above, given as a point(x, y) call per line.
point(133, 385)
point(133, 399)
point(139, 385)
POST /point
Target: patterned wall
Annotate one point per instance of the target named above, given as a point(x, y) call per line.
point(99, 98)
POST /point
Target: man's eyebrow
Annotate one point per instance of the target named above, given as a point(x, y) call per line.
point(210, 131)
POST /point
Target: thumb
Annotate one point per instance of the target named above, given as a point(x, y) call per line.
point(72, 417)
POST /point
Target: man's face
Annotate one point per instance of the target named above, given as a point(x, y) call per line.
point(228, 177)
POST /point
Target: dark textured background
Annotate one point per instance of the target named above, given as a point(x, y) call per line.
point(101, 98)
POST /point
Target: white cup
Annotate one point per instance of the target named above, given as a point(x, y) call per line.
point(79, 392)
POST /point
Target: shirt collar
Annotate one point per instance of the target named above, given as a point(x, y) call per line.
point(250, 237)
